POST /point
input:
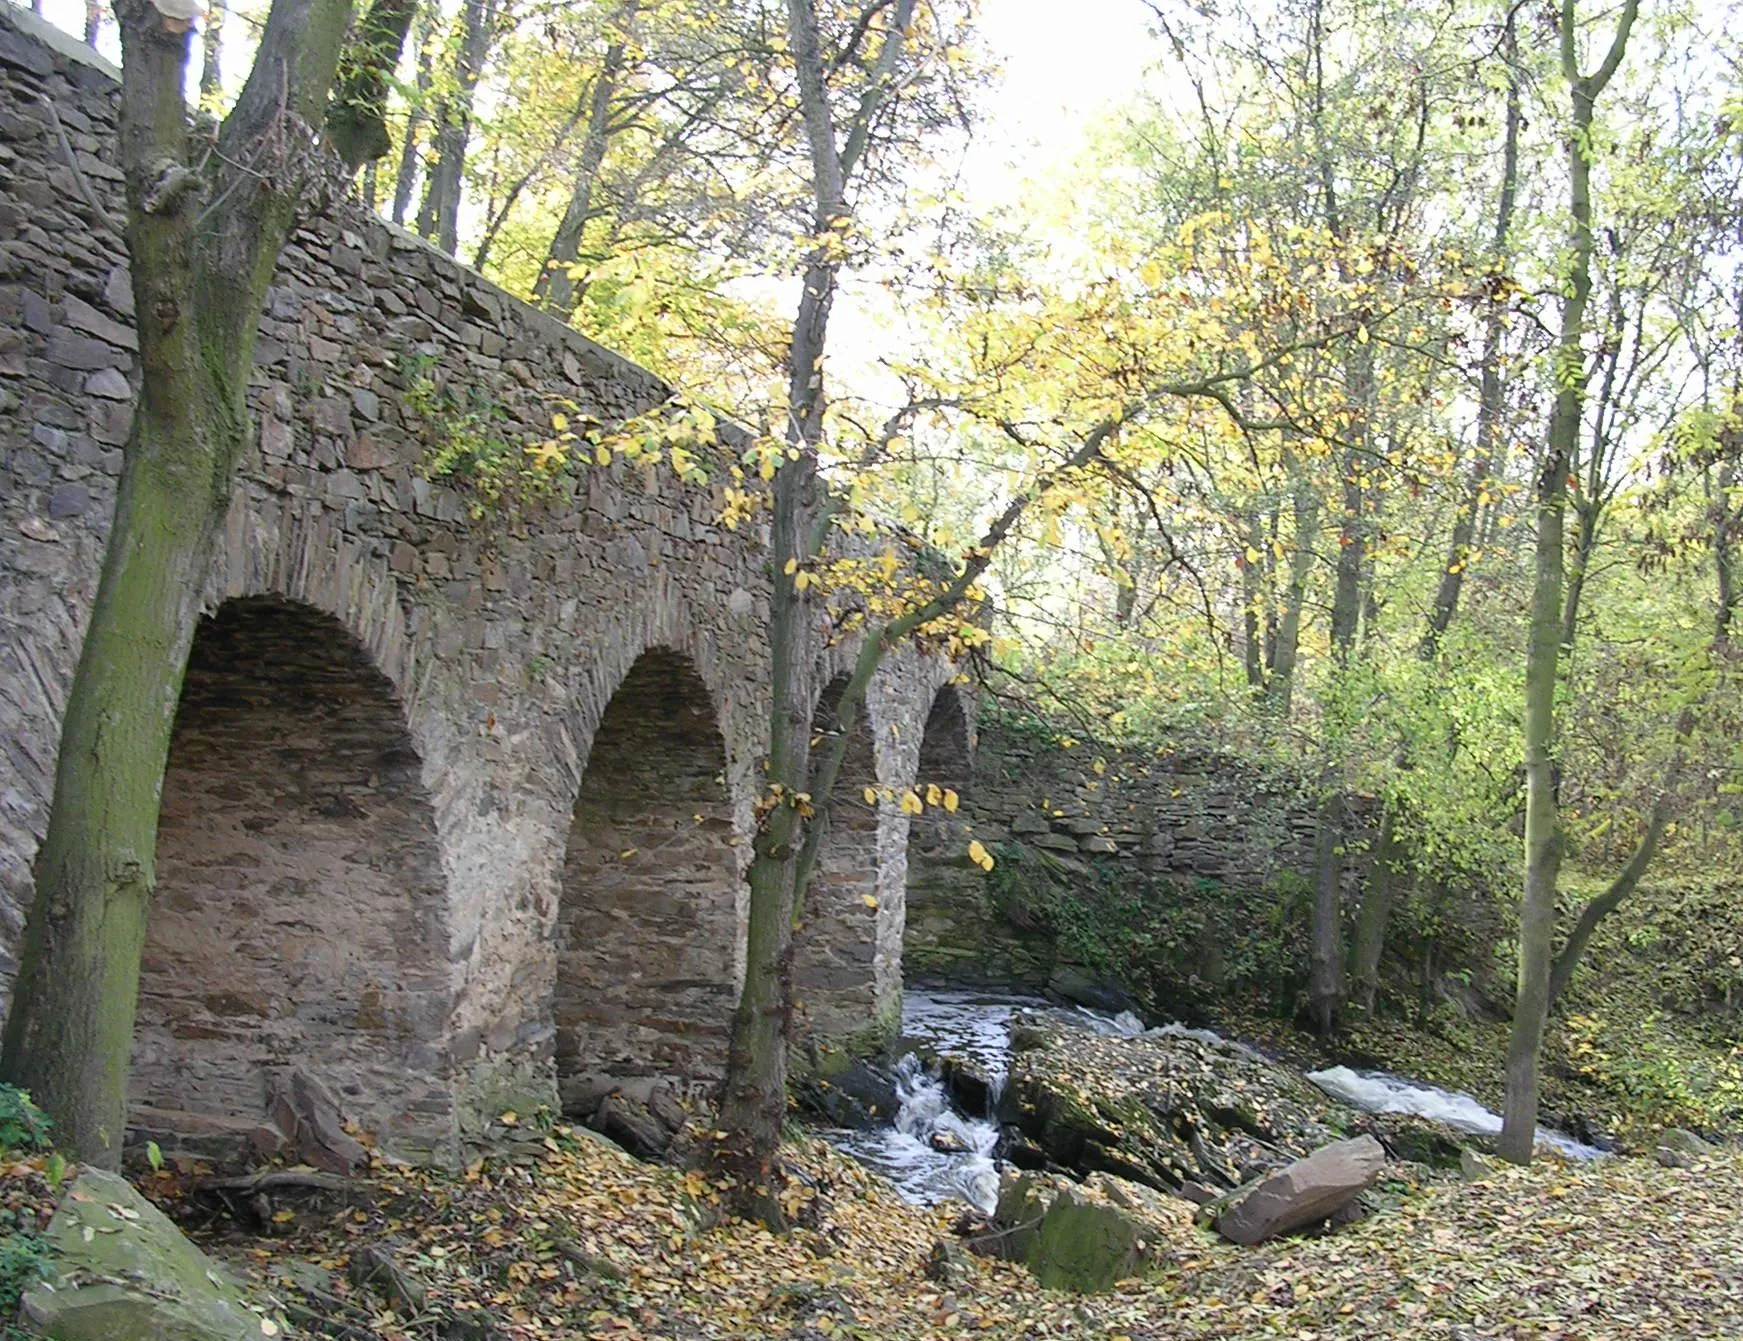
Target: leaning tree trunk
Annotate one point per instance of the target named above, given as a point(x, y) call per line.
point(755, 1099)
point(1543, 652)
point(200, 273)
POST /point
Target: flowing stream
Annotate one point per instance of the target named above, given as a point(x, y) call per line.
point(932, 1152)
point(1383, 1092)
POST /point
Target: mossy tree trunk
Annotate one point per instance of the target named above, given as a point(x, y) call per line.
point(203, 245)
point(1543, 844)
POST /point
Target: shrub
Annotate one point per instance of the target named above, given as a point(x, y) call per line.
point(23, 1126)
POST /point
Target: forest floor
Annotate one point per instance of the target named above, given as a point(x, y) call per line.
point(570, 1237)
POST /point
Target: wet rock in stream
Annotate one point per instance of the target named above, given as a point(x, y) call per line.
point(1164, 1108)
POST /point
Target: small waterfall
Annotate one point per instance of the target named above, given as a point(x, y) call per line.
point(932, 1152)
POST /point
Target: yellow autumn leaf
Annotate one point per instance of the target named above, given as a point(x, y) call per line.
point(869, 900)
point(951, 800)
point(559, 422)
point(934, 797)
point(911, 802)
point(871, 796)
point(980, 856)
point(791, 568)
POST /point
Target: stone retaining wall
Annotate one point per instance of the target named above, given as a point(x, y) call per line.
point(1204, 835)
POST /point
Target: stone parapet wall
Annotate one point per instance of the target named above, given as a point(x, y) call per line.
point(489, 650)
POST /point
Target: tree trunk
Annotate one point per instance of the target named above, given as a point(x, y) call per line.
point(1281, 687)
point(1252, 598)
point(212, 54)
point(439, 215)
point(755, 1100)
point(1376, 911)
point(1542, 659)
point(1327, 986)
point(199, 276)
point(1490, 405)
point(405, 181)
point(1326, 960)
point(555, 286)
point(357, 115)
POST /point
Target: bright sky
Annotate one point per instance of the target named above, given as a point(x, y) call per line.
point(1065, 65)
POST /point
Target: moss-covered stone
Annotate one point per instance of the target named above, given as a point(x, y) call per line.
point(123, 1272)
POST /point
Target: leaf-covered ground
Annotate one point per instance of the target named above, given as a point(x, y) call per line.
point(573, 1238)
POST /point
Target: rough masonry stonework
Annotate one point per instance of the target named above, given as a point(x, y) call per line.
point(458, 807)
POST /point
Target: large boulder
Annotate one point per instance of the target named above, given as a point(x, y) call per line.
point(1085, 1237)
point(122, 1272)
point(1087, 1245)
point(1167, 1108)
point(1305, 1192)
point(1024, 1199)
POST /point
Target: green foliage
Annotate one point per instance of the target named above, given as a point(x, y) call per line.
point(1657, 1075)
point(1174, 943)
point(24, 1128)
point(464, 434)
point(24, 1260)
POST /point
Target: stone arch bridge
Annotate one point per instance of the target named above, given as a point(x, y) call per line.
point(457, 811)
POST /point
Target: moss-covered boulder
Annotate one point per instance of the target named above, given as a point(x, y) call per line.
point(123, 1272)
point(1086, 1245)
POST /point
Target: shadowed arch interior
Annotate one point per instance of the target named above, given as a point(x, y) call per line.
point(647, 923)
point(937, 839)
point(836, 946)
point(944, 747)
point(298, 919)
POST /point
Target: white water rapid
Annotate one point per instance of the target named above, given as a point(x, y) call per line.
point(933, 1152)
point(1382, 1092)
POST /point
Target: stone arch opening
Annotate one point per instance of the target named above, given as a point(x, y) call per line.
point(836, 949)
point(647, 924)
point(945, 755)
point(943, 885)
point(298, 921)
